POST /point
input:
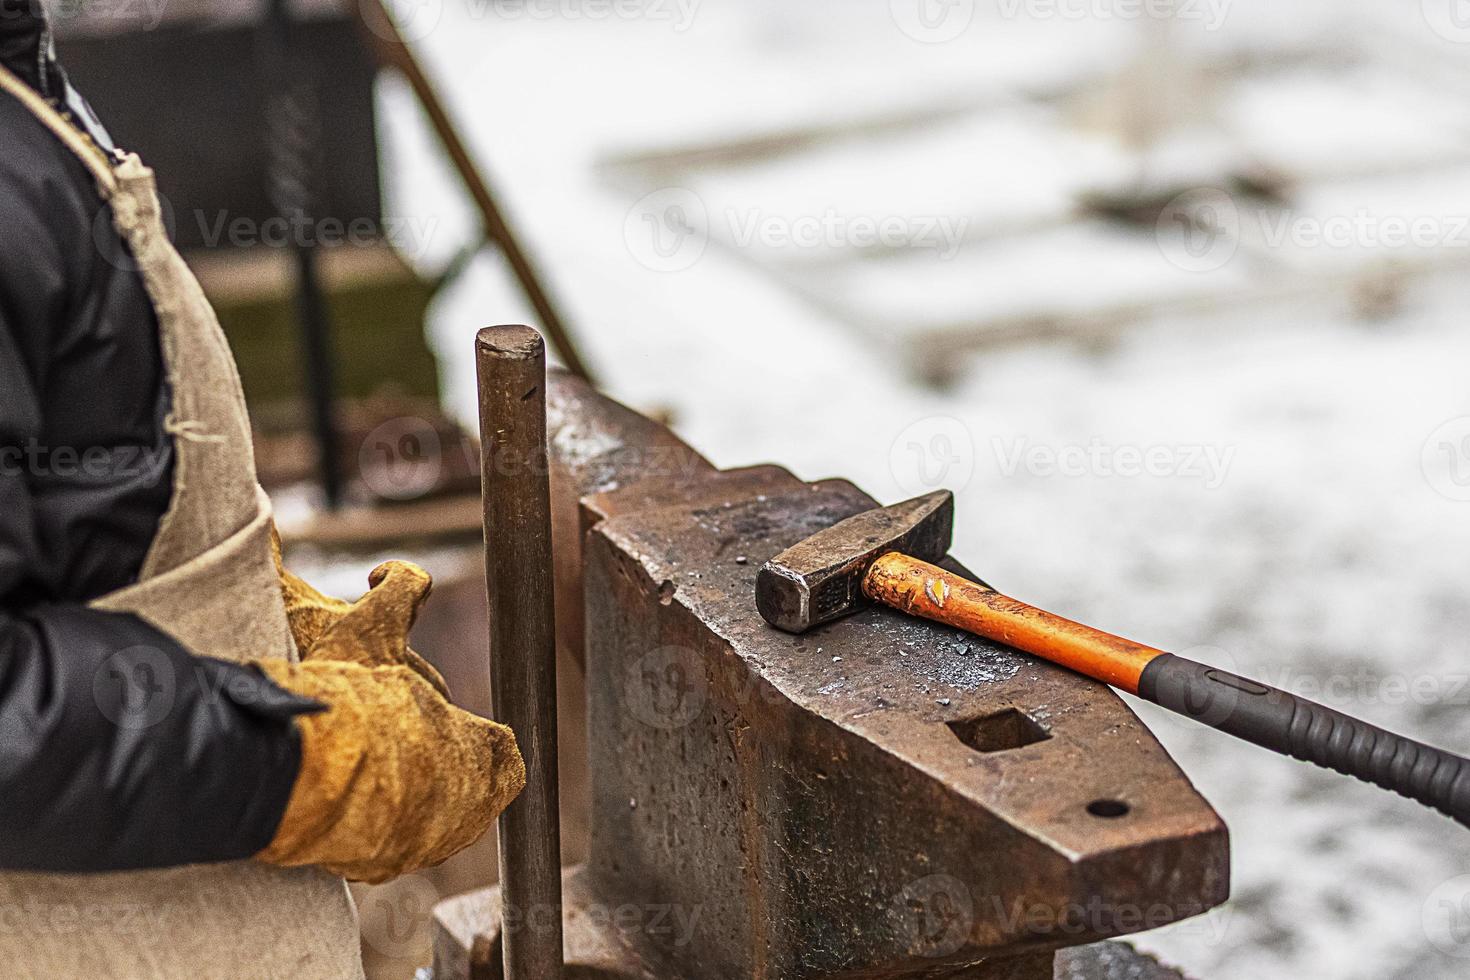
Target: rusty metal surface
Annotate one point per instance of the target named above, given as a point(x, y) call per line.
point(881, 797)
point(597, 445)
point(601, 945)
point(811, 792)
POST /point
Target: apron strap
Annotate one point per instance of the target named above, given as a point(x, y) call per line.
point(86, 151)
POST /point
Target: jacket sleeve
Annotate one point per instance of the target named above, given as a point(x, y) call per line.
point(119, 749)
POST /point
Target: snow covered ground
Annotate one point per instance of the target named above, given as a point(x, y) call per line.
point(1281, 489)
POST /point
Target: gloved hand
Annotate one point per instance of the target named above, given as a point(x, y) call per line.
point(393, 777)
point(372, 631)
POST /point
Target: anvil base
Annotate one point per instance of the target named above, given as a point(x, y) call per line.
point(602, 943)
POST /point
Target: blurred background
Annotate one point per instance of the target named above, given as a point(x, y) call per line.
point(1171, 293)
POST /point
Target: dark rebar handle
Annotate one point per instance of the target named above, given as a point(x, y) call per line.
point(1277, 720)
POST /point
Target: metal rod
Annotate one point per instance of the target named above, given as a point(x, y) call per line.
point(511, 362)
point(392, 51)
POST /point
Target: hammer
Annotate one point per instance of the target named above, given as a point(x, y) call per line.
point(886, 556)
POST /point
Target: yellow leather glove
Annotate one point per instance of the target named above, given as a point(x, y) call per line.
point(393, 777)
point(372, 631)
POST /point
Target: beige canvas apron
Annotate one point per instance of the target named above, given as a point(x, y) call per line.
point(209, 581)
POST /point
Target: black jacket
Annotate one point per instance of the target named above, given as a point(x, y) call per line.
point(93, 774)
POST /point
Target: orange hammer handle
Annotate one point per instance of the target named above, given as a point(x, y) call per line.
point(922, 589)
point(1277, 720)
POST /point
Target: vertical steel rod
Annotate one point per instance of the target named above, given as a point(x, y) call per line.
point(511, 362)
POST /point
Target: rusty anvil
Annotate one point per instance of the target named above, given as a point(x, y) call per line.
point(881, 798)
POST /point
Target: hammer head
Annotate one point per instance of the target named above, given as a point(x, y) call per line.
point(821, 578)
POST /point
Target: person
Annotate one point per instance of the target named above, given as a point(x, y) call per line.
point(196, 747)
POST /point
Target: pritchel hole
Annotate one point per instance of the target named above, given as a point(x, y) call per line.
point(1108, 808)
point(1008, 729)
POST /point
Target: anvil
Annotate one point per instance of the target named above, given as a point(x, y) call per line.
point(881, 797)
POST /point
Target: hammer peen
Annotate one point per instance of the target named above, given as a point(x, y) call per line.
point(886, 556)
